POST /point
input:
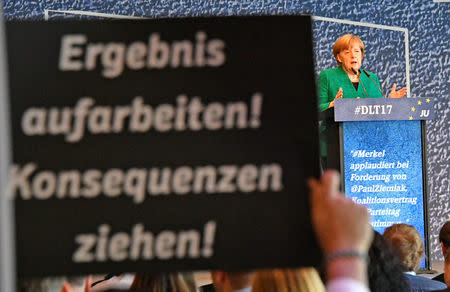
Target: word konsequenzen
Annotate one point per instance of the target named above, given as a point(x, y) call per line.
point(139, 182)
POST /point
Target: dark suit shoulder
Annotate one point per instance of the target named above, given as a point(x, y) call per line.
point(419, 283)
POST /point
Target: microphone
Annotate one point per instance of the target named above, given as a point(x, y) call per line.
point(368, 75)
point(356, 73)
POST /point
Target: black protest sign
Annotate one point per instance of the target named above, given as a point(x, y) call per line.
point(162, 145)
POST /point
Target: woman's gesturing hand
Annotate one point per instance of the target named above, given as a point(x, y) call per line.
point(338, 96)
point(397, 94)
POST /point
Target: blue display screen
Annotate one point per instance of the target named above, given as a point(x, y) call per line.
point(383, 171)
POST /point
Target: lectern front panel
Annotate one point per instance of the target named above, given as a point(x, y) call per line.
point(383, 170)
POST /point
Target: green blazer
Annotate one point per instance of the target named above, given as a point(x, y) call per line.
point(331, 79)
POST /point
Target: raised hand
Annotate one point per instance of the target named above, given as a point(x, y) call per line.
point(340, 224)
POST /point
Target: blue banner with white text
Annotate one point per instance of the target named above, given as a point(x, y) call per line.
point(383, 171)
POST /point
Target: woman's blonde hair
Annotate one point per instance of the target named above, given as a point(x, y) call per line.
point(344, 42)
point(407, 244)
point(288, 280)
point(176, 282)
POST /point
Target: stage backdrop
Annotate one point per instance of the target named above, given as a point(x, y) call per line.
point(406, 42)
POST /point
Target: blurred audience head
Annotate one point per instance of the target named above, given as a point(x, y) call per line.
point(444, 239)
point(174, 282)
point(385, 270)
point(288, 280)
point(231, 281)
point(407, 244)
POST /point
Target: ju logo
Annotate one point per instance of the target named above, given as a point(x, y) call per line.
point(421, 110)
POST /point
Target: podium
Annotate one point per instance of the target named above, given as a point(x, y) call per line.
point(378, 146)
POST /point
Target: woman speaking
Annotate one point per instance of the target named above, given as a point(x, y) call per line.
point(348, 80)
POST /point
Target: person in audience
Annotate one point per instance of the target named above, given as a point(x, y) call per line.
point(174, 282)
point(408, 246)
point(385, 271)
point(444, 239)
point(232, 281)
point(284, 280)
point(344, 234)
